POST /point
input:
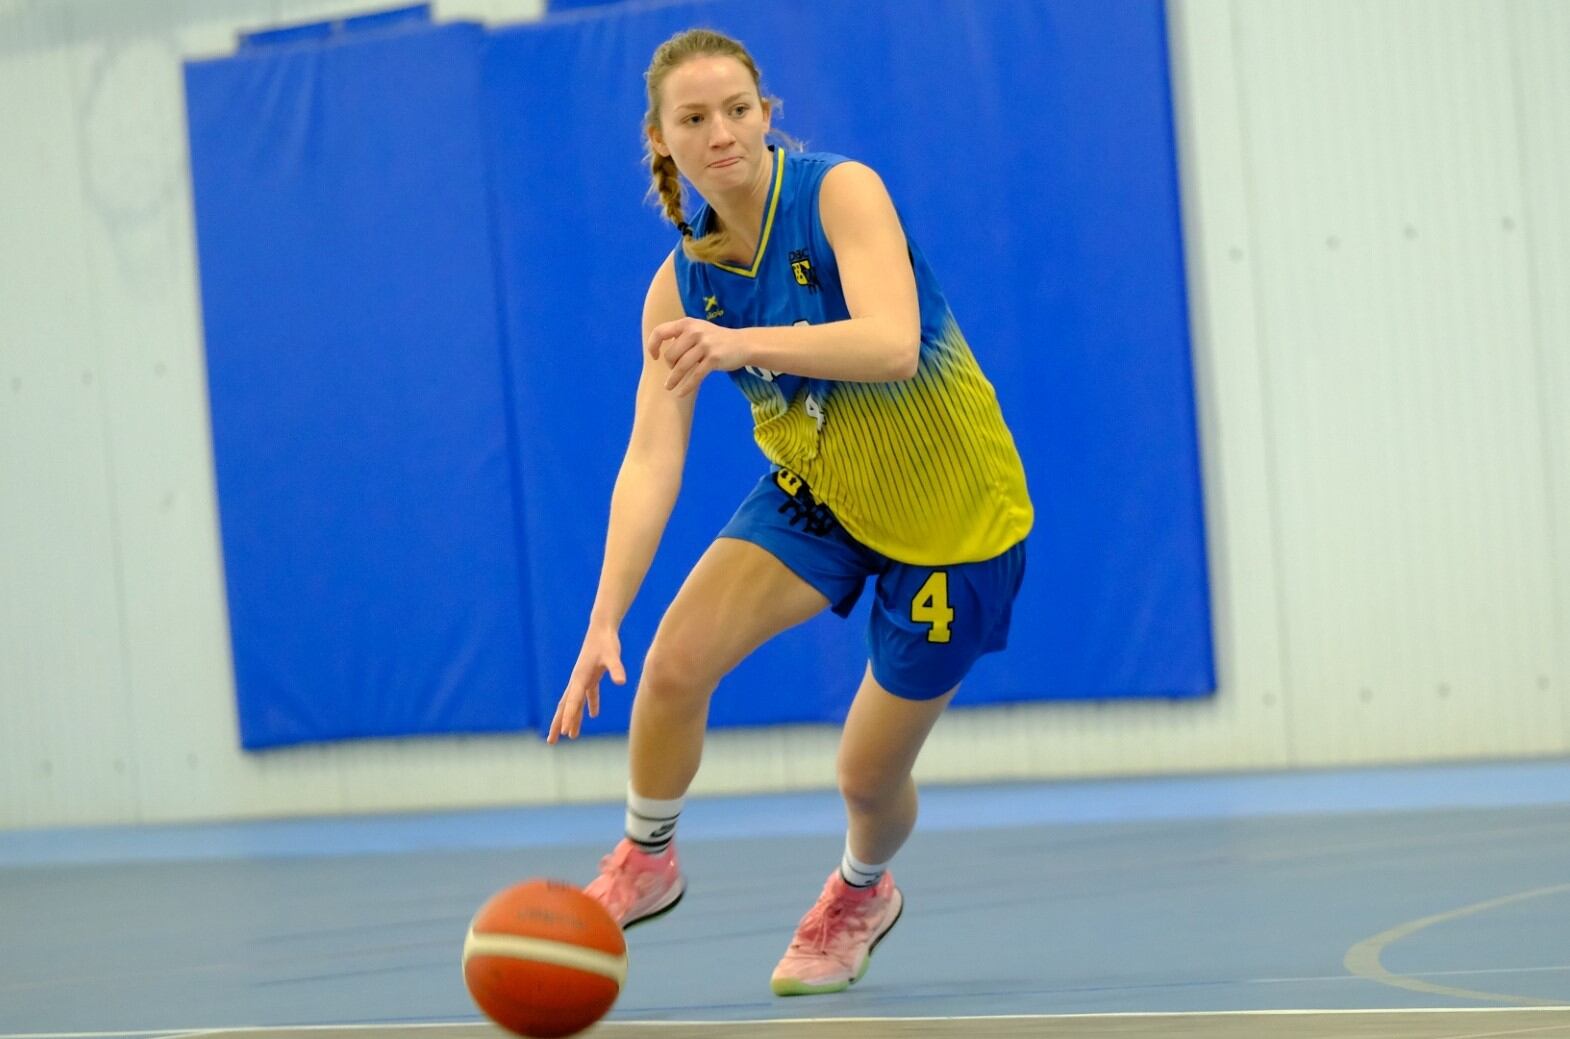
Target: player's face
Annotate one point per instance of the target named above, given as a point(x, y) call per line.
point(713, 124)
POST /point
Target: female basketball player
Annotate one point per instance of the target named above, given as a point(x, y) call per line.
point(889, 459)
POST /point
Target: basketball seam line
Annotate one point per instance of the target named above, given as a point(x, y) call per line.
point(543, 950)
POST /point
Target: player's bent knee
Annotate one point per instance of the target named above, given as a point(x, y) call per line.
point(869, 788)
point(676, 673)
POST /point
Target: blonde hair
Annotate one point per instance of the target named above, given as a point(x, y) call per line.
point(666, 181)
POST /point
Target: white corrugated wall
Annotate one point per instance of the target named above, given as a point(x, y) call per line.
point(1377, 211)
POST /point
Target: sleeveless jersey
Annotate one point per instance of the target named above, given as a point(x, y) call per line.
point(922, 470)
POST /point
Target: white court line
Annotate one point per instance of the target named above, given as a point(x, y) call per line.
point(1557, 968)
point(1510, 1031)
point(190, 1033)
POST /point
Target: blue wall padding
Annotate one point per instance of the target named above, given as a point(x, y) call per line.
point(369, 405)
point(1030, 148)
point(360, 423)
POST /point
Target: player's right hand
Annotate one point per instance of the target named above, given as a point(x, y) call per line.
point(601, 653)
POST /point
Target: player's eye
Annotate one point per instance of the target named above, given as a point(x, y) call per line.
point(693, 120)
point(739, 110)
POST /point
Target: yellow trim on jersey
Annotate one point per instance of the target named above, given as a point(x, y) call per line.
point(768, 221)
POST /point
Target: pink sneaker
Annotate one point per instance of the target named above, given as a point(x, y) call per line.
point(635, 886)
point(834, 941)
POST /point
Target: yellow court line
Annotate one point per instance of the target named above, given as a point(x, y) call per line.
point(1363, 958)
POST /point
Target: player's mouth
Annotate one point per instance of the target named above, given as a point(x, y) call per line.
point(725, 163)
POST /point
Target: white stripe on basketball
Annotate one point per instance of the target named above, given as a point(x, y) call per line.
point(562, 954)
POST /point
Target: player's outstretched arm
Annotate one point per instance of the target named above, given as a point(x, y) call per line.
point(641, 504)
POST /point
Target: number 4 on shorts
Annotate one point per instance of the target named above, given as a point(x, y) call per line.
point(931, 606)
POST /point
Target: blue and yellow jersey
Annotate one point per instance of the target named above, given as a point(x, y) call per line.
point(923, 470)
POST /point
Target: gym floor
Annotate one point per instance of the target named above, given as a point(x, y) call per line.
point(1425, 902)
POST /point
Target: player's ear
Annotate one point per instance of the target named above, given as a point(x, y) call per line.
point(657, 142)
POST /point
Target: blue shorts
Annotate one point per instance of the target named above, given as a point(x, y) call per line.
point(929, 624)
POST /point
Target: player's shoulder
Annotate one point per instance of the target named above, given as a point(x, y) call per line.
point(840, 182)
point(850, 191)
point(818, 160)
point(826, 166)
point(854, 177)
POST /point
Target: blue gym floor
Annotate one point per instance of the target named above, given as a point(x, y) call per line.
point(1444, 888)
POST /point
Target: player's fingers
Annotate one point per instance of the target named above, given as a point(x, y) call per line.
point(679, 348)
point(590, 692)
point(690, 380)
point(666, 338)
point(656, 337)
point(555, 733)
point(577, 720)
point(667, 349)
point(618, 673)
point(693, 358)
point(572, 706)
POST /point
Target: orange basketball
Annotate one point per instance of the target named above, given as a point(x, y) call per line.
point(543, 959)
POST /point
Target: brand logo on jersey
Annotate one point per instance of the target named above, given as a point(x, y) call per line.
point(801, 267)
point(711, 308)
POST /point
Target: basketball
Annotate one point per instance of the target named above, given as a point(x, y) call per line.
point(543, 959)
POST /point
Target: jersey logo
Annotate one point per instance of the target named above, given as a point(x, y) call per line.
point(711, 308)
point(801, 267)
point(813, 515)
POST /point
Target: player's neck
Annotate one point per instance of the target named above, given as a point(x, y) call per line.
point(740, 213)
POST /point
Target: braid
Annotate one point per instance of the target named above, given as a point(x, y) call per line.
point(667, 185)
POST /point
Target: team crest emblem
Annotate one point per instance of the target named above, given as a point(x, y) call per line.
point(801, 267)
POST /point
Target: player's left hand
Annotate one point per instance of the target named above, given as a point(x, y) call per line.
point(693, 348)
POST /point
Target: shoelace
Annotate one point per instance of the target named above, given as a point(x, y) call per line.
point(616, 866)
point(817, 926)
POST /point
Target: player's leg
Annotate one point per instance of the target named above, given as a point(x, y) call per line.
point(737, 597)
point(769, 570)
point(883, 735)
point(859, 904)
point(928, 627)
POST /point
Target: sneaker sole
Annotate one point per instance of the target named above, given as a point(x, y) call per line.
point(646, 917)
point(793, 987)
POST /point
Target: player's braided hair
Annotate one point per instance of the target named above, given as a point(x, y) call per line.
point(666, 184)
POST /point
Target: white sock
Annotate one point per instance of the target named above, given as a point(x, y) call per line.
point(857, 873)
point(651, 822)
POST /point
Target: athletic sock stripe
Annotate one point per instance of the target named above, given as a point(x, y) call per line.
point(654, 818)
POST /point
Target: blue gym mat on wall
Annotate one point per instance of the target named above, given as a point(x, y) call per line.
point(413, 490)
point(360, 425)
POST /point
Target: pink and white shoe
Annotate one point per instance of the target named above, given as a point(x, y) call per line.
point(635, 886)
point(834, 941)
